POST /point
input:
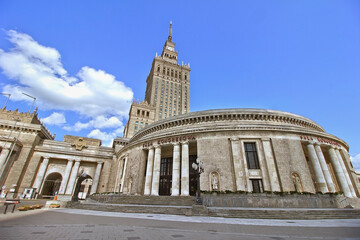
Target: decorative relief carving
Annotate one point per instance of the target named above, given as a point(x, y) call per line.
point(79, 144)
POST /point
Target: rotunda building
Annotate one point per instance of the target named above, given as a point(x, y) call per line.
point(243, 150)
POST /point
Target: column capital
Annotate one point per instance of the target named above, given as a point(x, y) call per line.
point(71, 160)
point(176, 144)
point(99, 163)
point(185, 142)
point(234, 139)
point(265, 139)
point(157, 146)
point(77, 160)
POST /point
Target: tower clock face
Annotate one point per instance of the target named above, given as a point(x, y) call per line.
point(170, 48)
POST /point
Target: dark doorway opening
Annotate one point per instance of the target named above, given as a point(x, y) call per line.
point(165, 176)
point(51, 185)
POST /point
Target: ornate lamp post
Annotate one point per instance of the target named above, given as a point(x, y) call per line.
point(199, 168)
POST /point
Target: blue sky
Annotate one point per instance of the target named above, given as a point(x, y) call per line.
point(296, 56)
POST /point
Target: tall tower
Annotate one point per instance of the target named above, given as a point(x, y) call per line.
point(168, 83)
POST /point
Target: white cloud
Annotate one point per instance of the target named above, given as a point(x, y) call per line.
point(105, 137)
point(356, 162)
point(38, 71)
point(55, 119)
point(98, 122)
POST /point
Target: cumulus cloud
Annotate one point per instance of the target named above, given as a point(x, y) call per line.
point(55, 119)
point(356, 162)
point(38, 71)
point(106, 137)
point(98, 122)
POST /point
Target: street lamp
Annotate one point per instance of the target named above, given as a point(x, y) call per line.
point(7, 99)
point(199, 168)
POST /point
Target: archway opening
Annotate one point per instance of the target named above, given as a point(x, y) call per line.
point(51, 185)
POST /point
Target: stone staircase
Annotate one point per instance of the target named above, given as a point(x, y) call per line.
point(145, 200)
point(184, 206)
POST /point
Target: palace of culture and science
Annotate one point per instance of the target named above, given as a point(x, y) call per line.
point(242, 150)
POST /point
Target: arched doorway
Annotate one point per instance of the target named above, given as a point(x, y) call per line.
point(80, 186)
point(51, 185)
point(85, 188)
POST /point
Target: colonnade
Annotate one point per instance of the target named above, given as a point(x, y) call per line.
point(69, 177)
point(323, 179)
point(179, 174)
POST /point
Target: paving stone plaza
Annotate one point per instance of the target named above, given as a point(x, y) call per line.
point(86, 224)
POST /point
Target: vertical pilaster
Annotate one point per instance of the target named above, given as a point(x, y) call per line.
point(325, 169)
point(185, 169)
point(123, 174)
point(41, 174)
point(176, 171)
point(248, 186)
point(263, 169)
point(73, 175)
point(156, 172)
point(238, 165)
point(4, 154)
point(149, 171)
point(66, 177)
point(339, 173)
point(271, 167)
point(346, 174)
point(95, 182)
point(320, 180)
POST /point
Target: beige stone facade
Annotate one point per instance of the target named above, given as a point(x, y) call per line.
point(243, 150)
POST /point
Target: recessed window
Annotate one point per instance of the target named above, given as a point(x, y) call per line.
point(251, 156)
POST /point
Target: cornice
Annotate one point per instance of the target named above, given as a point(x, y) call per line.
point(231, 116)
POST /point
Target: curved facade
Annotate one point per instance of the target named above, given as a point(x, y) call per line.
point(250, 150)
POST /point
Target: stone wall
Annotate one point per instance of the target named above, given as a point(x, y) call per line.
point(265, 200)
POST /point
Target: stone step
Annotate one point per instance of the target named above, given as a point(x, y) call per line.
point(145, 200)
point(222, 212)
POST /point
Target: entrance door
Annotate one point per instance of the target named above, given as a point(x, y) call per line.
point(165, 176)
point(193, 176)
point(51, 185)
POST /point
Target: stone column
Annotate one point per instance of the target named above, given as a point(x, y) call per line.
point(156, 172)
point(3, 156)
point(123, 174)
point(149, 171)
point(185, 169)
point(95, 182)
point(346, 174)
point(238, 166)
point(270, 162)
point(339, 173)
point(73, 175)
point(353, 178)
point(325, 169)
point(320, 179)
point(66, 177)
point(176, 171)
point(41, 174)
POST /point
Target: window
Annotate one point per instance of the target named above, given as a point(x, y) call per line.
point(256, 185)
point(136, 122)
point(146, 124)
point(158, 69)
point(251, 156)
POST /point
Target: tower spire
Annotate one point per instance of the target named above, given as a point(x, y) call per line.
point(170, 32)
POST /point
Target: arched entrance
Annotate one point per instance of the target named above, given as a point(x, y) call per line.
point(85, 188)
point(79, 183)
point(51, 185)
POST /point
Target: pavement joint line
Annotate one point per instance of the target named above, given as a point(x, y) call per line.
point(203, 219)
